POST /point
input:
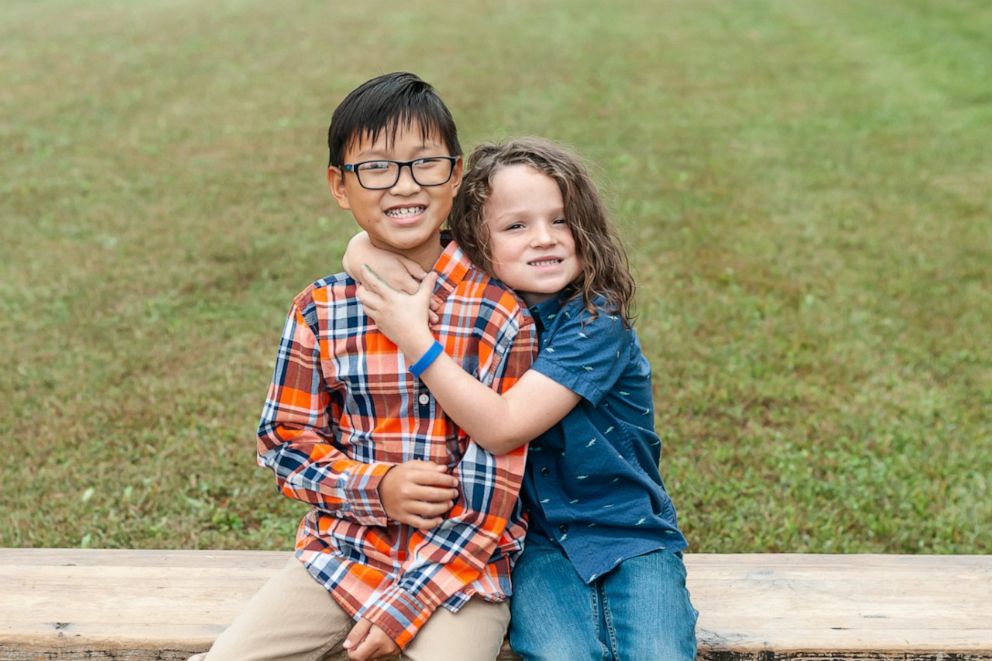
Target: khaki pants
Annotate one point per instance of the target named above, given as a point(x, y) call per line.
point(294, 618)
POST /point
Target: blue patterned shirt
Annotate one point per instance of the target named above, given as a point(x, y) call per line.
point(592, 485)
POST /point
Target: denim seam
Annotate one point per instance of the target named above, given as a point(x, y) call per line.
point(595, 597)
point(608, 618)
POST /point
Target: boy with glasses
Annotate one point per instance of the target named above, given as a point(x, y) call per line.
point(409, 541)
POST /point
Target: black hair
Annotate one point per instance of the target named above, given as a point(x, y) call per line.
point(385, 104)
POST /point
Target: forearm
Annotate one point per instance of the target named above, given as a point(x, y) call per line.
point(486, 416)
point(358, 250)
point(295, 434)
point(311, 470)
point(474, 406)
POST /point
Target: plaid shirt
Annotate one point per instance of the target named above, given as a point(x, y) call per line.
point(342, 409)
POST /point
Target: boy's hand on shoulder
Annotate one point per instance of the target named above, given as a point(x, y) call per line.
point(418, 493)
point(367, 642)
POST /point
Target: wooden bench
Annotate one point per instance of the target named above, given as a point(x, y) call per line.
point(90, 604)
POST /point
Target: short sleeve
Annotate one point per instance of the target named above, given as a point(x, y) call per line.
point(587, 355)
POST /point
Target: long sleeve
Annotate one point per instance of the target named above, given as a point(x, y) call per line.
point(447, 558)
point(296, 437)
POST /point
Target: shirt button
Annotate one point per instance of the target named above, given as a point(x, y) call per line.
point(545, 470)
point(563, 528)
point(424, 399)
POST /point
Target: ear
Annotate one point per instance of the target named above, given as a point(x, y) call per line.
point(456, 177)
point(335, 181)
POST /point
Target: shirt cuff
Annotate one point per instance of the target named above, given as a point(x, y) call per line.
point(361, 494)
point(399, 614)
point(577, 382)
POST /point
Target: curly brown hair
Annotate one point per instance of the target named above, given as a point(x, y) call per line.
point(605, 282)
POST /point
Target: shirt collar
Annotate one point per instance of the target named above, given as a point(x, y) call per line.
point(451, 267)
point(546, 311)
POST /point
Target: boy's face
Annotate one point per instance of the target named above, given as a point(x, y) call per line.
point(531, 243)
point(407, 217)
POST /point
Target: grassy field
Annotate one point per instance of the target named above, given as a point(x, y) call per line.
point(804, 188)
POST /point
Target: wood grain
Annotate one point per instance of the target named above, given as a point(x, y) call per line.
point(121, 604)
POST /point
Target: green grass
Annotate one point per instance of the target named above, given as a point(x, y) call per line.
point(803, 187)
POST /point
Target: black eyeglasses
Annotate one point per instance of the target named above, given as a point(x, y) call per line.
point(377, 175)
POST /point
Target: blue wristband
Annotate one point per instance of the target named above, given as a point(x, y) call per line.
point(425, 361)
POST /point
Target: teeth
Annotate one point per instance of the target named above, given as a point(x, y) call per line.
point(404, 212)
point(546, 262)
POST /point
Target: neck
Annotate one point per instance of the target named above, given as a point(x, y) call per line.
point(532, 299)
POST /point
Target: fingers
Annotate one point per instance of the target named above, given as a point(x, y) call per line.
point(419, 521)
point(429, 512)
point(369, 299)
point(413, 268)
point(427, 284)
point(373, 281)
point(376, 645)
point(434, 307)
point(413, 492)
point(431, 509)
point(403, 281)
point(427, 466)
point(436, 476)
point(357, 634)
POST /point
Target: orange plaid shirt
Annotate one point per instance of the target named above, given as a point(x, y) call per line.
point(342, 409)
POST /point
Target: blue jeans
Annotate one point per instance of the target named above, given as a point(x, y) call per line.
point(640, 611)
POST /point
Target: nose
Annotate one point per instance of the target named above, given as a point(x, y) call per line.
point(405, 183)
point(541, 235)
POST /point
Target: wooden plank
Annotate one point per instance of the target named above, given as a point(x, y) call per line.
point(871, 603)
point(126, 604)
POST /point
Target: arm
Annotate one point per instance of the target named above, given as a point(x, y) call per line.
point(499, 423)
point(295, 441)
point(295, 437)
point(445, 559)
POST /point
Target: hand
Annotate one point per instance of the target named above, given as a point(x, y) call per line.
point(417, 493)
point(401, 317)
point(366, 642)
point(400, 273)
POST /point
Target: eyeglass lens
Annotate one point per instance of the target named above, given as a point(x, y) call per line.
point(385, 174)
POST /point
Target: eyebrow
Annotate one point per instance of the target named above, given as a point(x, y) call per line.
point(517, 213)
point(382, 156)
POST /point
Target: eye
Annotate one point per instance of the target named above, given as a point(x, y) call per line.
point(514, 226)
point(560, 221)
point(374, 166)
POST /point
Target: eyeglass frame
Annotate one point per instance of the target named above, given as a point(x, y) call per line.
point(353, 168)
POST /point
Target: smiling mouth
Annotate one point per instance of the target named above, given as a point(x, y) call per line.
point(405, 212)
point(550, 261)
